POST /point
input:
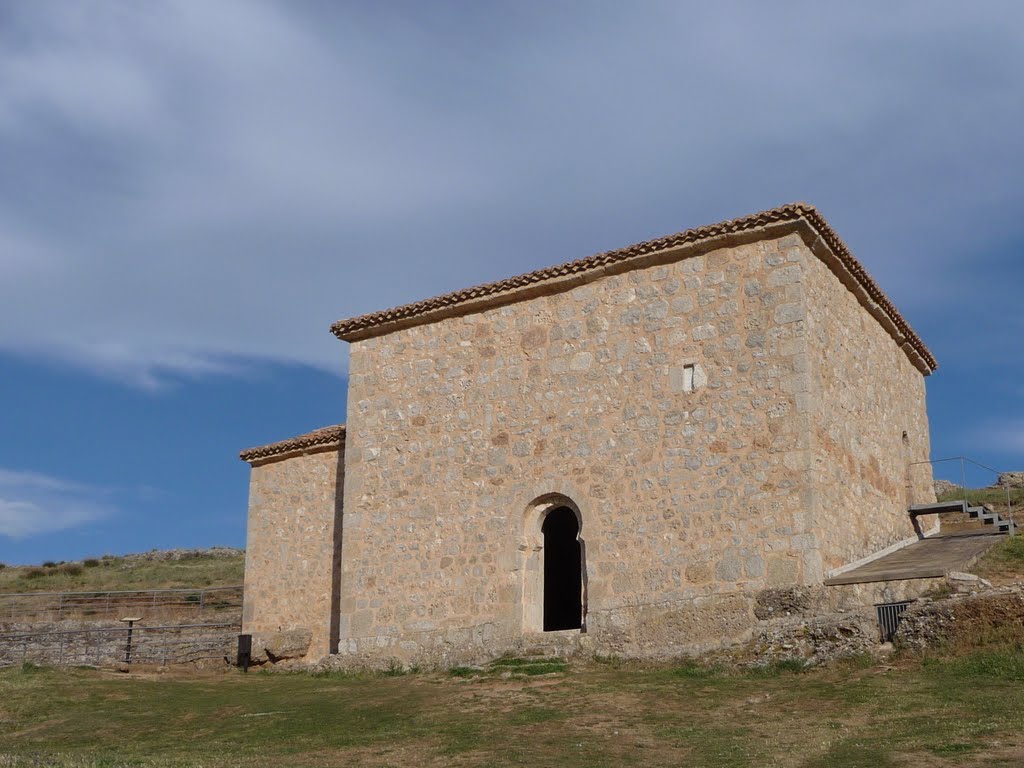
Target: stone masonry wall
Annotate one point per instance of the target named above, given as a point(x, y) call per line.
point(292, 548)
point(102, 643)
point(866, 394)
point(691, 501)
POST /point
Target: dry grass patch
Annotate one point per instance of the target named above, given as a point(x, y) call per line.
point(125, 573)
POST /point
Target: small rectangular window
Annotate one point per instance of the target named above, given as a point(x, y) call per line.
point(688, 377)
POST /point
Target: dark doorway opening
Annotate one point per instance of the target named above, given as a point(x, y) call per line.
point(563, 571)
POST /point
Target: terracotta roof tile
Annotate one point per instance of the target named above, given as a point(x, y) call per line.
point(799, 215)
point(318, 439)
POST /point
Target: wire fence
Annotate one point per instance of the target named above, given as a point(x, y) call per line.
point(102, 646)
point(55, 606)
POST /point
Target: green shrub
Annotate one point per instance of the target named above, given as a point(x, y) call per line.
point(516, 661)
point(542, 665)
point(49, 564)
point(695, 671)
point(35, 573)
point(395, 669)
point(780, 666)
point(90, 562)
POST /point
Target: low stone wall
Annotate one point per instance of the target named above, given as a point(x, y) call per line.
point(807, 602)
point(70, 643)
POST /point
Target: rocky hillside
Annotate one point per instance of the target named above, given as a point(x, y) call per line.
point(157, 569)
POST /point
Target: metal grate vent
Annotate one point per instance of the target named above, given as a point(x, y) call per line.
point(889, 615)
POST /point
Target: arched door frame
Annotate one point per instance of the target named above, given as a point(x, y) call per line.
point(532, 559)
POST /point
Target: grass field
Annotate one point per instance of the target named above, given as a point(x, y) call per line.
point(120, 573)
point(1004, 563)
point(963, 711)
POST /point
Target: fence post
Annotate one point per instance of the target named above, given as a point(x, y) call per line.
point(202, 592)
point(130, 620)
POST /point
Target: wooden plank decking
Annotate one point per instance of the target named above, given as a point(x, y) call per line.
point(927, 558)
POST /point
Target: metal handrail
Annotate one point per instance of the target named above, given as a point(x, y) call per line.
point(964, 460)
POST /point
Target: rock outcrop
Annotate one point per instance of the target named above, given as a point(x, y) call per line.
point(162, 555)
point(287, 644)
point(1011, 480)
point(963, 618)
point(815, 641)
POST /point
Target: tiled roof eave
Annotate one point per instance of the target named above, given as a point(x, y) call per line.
point(820, 236)
point(325, 439)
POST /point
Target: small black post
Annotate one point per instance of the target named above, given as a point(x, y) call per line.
point(244, 651)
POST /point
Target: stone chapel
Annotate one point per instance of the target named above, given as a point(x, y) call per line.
point(617, 455)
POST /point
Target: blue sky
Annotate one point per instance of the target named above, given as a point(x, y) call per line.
point(192, 192)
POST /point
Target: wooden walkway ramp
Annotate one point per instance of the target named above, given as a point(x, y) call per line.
point(924, 559)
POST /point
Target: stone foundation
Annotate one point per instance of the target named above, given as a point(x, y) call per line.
point(661, 631)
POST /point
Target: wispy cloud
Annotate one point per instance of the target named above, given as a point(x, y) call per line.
point(189, 185)
point(32, 503)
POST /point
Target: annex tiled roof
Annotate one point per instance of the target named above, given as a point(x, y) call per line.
point(317, 440)
point(795, 217)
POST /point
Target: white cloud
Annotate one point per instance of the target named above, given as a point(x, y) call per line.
point(33, 503)
point(190, 186)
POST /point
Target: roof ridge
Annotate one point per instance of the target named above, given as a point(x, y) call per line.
point(364, 326)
